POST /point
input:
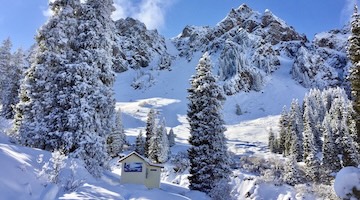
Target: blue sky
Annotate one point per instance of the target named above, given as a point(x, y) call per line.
point(20, 19)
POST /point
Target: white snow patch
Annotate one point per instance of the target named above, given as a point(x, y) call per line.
point(347, 179)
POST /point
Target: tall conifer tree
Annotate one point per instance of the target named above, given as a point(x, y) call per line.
point(159, 148)
point(295, 130)
point(354, 54)
point(117, 139)
point(95, 44)
point(150, 130)
point(13, 78)
point(11, 68)
point(140, 144)
point(42, 118)
point(5, 62)
point(67, 101)
point(171, 137)
point(283, 125)
point(330, 159)
point(208, 152)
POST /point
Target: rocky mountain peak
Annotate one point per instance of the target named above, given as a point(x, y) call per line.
point(333, 39)
point(246, 47)
point(276, 30)
point(138, 47)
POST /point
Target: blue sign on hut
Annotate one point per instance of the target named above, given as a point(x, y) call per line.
point(137, 169)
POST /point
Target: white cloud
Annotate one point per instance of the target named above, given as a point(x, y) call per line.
point(124, 8)
point(47, 12)
point(150, 12)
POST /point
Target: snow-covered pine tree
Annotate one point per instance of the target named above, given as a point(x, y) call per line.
point(159, 148)
point(313, 104)
point(165, 146)
point(150, 130)
point(67, 101)
point(312, 163)
point(208, 152)
point(277, 145)
point(330, 161)
point(295, 131)
point(94, 44)
point(284, 144)
point(5, 61)
point(337, 124)
point(140, 144)
point(117, 139)
point(47, 113)
point(354, 54)
point(271, 141)
point(297, 147)
point(342, 126)
point(291, 171)
point(350, 151)
point(351, 155)
point(13, 77)
point(11, 69)
point(312, 167)
point(171, 136)
point(309, 145)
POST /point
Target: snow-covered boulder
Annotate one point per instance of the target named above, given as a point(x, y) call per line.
point(347, 183)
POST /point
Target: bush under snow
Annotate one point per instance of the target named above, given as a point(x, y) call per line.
point(347, 183)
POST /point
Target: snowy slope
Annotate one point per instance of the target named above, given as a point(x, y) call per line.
point(247, 134)
point(19, 169)
point(168, 93)
point(21, 180)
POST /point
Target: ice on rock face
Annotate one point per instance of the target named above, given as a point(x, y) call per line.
point(247, 46)
point(138, 47)
point(242, 47)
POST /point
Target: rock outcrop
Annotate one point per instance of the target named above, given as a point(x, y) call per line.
point(138, 47)
point(245, 44)
point(245, 47)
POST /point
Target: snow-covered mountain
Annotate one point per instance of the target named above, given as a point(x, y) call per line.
point(246, 45)
point(245, 48)
point(323, 62)
point(138, 47)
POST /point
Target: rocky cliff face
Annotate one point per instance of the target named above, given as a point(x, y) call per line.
point(323, 62)
point(248, 44)
point(138, 47)
point(245, 47)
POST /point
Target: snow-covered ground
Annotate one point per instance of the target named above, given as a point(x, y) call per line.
point(20, 179)
point(166, 91)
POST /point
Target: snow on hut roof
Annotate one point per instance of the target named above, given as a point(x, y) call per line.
point(142, 157)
